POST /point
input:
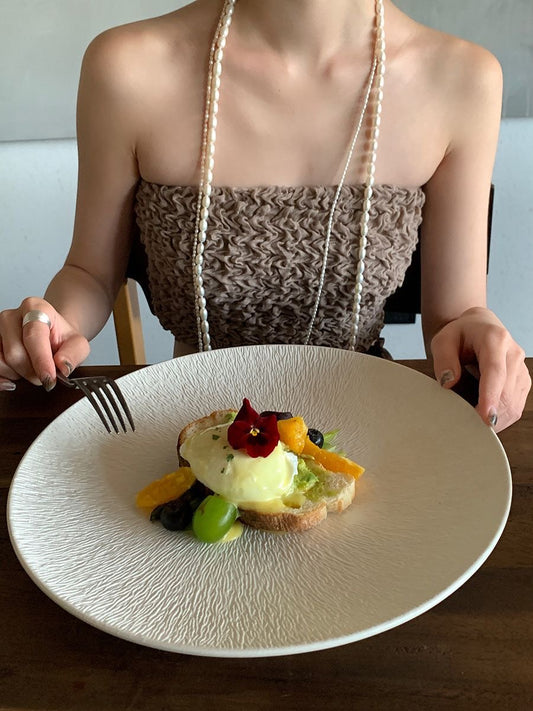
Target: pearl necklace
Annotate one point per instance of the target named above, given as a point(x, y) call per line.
point(208, 162)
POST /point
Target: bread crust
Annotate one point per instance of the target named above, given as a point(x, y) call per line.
point(339, 489)
point(288, 520)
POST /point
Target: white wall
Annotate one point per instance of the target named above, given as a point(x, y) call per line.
point(37, 194)
point(41, 48)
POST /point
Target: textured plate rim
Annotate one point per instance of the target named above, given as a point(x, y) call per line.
point(258, 652)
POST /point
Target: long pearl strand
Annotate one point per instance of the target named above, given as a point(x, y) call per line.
point(367, 197)
point(334, 204)
point(207, 166)
point(206, 170)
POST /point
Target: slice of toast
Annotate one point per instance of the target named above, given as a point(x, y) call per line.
point(309, 514)
point(334, 491)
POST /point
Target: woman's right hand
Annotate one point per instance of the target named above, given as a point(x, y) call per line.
point(36, 351)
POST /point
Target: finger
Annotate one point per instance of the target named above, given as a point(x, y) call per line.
point(71, 353)
point(445, 347)
point(492, 381)
point(510, 412)
point(523, 388)
point(7, 384)
point(516, 389)
point(36, 340)
point(15, 359)
point(7, 374)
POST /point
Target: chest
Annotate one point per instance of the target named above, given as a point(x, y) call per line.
point(278, 129)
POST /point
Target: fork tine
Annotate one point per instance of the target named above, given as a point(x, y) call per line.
point(85, 390)
point(103, 387)
point(122, 401)
point(96, 388)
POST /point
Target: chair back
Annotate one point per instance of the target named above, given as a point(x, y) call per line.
point(126, 311)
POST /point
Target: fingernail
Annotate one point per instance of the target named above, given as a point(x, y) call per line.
point(68, 368)
point(493, 418)
point(8, 386)
point(446, 377)
point(48, 383)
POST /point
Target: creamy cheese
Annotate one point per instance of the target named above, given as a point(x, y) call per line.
point(233, 473)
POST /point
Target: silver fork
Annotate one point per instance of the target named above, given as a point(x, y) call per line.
point(94, 389)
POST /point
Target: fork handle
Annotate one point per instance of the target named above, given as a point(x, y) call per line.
point(63, 380)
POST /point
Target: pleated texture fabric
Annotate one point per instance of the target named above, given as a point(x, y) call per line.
point(263, 258)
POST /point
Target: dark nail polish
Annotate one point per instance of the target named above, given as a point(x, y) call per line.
point(446, 377)
point(48, 383)
point(493, 419)
point(68, 368)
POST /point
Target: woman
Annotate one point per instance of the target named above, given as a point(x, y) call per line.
point(272, 251)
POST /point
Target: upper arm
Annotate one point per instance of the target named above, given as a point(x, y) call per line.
point(454, 230)
point(107, 167)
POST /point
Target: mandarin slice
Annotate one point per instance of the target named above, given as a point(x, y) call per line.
point(293, 433)
point(169, 487)
point(331, 460)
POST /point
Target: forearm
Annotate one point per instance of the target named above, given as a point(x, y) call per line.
point(81, 299)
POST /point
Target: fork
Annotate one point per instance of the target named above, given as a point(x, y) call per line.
point(94, 389)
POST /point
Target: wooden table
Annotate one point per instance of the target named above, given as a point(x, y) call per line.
point(472, 651)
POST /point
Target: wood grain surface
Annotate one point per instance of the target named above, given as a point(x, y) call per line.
point(472, 651)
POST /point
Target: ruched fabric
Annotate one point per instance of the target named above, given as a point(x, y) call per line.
point(263, 258)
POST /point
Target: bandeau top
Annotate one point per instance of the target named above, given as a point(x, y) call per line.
point(263, 258)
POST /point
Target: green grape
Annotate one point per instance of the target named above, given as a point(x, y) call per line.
point(213, 518)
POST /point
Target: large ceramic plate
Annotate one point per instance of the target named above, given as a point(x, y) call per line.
point(429, 509)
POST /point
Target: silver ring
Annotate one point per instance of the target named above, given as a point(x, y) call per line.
point(36, 316)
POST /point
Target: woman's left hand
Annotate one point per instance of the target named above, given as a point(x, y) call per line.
point(479, 339)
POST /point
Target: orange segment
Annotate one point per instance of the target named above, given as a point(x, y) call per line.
point(293, 433)
point(169, 487)
point(331, 460)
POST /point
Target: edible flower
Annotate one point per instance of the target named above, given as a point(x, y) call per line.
point(255, 433)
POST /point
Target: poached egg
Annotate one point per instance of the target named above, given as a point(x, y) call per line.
point(235, 475)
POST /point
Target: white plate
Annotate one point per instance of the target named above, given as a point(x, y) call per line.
point(428, 511)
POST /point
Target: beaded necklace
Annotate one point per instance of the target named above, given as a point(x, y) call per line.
point(375, 80)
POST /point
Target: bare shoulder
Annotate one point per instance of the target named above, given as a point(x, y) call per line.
point(141, 54)
point(460, 70)
point(455, 84)
point(464, 67)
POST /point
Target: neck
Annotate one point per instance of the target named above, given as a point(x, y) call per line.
point(307, 31)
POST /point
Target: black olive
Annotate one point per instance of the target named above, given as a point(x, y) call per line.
point(156, 513)
point(177, 514)
point(279, 415)
point(316, 437)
